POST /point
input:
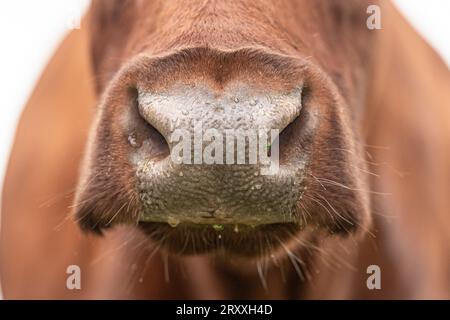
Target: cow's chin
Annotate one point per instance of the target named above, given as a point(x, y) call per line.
point(229, 239)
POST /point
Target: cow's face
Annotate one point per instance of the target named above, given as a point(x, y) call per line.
point(182, 82)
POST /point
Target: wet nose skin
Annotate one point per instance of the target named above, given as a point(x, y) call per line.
point(238, 107)
point(195, 190)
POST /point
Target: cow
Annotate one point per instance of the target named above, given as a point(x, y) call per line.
point(358, 207)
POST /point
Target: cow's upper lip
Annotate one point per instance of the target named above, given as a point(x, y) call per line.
point(273, 201)
point(209, 218)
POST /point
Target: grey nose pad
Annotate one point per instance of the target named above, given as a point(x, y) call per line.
point(196, 109)
point(213, 165)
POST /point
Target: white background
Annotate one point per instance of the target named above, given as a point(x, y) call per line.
point(30, 30)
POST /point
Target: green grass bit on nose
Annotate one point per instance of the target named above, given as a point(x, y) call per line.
point(218, 227)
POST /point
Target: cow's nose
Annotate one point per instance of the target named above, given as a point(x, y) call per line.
point(222, 166)
point(238, 108)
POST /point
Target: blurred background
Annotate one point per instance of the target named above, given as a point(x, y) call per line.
point(31, 30)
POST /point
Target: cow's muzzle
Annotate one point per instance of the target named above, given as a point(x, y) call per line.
point(214, 157)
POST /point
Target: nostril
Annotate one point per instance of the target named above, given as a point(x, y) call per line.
point(142, 133)
point(306, 94)
point(160, 147)
point(295, 130)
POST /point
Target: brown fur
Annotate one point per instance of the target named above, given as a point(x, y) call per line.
point(382, 110)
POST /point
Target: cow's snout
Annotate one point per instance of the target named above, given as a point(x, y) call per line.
point(212, 156)
point(246, 143)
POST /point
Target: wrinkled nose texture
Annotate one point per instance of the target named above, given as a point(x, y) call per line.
point(238, 108)
point(198, 124)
